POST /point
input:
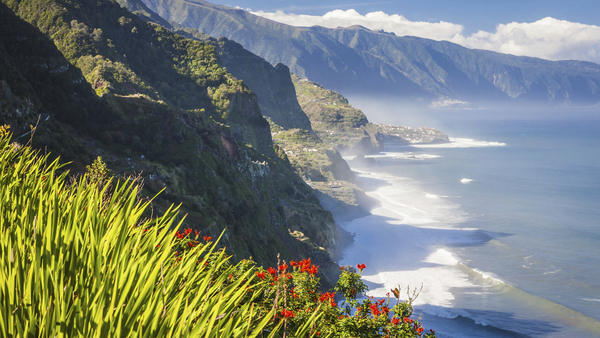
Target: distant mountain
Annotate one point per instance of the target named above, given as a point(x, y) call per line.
point(358, 61)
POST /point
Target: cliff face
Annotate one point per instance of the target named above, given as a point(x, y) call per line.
point(335, 121)
point(150, 101)
point(272, 84)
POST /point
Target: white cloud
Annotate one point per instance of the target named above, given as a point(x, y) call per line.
point(375, 20)
point(547, 38)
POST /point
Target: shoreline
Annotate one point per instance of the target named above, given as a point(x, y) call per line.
point(405, 240)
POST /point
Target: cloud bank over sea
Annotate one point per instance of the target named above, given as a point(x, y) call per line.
point(548, 38)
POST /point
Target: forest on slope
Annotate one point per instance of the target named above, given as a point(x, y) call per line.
point(149, 101)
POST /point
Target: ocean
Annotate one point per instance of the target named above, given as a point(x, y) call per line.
point(500, 228)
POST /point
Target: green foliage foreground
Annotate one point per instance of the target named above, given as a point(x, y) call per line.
point(80, 260)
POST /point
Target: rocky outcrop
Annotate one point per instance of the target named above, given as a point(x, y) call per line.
point(372, 142)
point(272, 84)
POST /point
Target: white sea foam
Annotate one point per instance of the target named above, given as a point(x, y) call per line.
point(466, 180)
point(590, 299)
point(482, 276)
point(404, 155)
point(456, 142)
point(401, 242)
point(437, 311)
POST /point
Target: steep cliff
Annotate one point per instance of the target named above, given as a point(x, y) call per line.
point(338, 123)
point(107, 83)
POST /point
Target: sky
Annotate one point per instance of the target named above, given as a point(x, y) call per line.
point(548, 29)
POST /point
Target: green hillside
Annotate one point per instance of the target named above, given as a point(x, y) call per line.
point(339, 124)
point(154, 103)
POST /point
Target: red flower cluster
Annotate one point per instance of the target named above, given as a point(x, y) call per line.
point(385, 310)
point(361, 266)
point(287, 314)
point(207, 238)
point(374, 309)
point(305, 266)
point(325, 296)
point(184, 233)
point(261, 275)
point(272, 271)
point(283, 267)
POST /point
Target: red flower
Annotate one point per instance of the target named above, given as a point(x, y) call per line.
point(272, 271)
point(304, 265)
point(332, 303)
point(287, 314)
point(361, 266)
point(188, 230)
point(207, 238)
point(313, 270)
point(261, 275)
point(395, 321)
point(283, 267)
point(325, 296)
point(385, 310)
point(374, 310)
point(293, 263)
point(190, 244)
point(196, 233)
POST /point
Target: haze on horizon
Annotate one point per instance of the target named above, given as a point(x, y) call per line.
point(551, 29)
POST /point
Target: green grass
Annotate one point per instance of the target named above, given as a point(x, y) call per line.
point(81, 261)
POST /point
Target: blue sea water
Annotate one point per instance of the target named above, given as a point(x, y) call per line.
point(501, 227)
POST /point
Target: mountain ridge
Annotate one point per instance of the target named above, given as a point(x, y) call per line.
point(357, 61)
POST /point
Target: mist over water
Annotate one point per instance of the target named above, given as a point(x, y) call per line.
point(501, 227)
